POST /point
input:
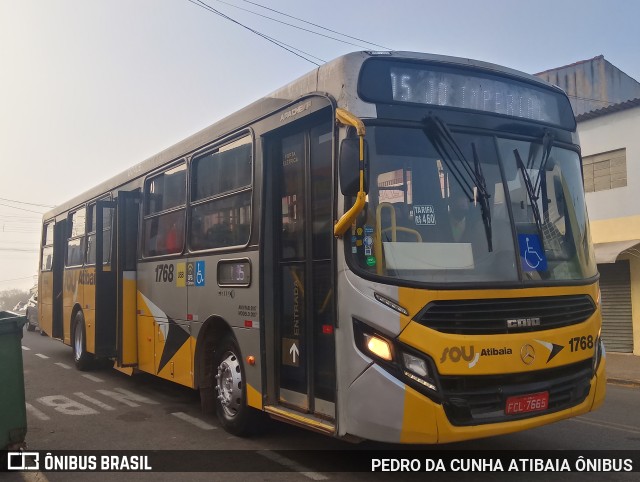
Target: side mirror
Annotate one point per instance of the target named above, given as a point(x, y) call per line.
point(350, 166)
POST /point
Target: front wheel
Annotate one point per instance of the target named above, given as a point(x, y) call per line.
point(231, 393)
point(81, 357)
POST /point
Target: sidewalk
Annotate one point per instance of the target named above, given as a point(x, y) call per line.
point(623, 368)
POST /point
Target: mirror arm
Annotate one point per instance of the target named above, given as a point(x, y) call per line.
point(347, 118)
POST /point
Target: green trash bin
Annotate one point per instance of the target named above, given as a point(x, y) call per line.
point(13, 412)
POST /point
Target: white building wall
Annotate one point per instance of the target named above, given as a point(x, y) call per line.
point(607, 133)
point(614, 214)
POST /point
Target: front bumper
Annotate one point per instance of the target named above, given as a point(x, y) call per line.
point(382, 408)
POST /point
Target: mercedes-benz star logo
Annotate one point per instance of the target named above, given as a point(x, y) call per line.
point(527, 354)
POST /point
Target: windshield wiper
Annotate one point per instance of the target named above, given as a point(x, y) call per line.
point(533, 197)
point(484, 198)
point(445, 144)
point(547, 144)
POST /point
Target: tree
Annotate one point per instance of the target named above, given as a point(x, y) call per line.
point(10, 298)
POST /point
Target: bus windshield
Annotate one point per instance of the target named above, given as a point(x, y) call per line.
point(462, 207)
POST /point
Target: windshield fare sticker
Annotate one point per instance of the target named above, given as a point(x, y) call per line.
point(424, 215)
point(362, 239)
point(532, 254)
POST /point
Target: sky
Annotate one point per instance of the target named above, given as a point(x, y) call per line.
point(89, 88)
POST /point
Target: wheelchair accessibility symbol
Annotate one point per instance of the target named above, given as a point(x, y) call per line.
point(199, 274)
point(531, 253)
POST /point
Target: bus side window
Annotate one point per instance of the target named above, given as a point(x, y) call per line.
point(165, 199)
point(76, 239)
point(221, 192)
point(174, 239)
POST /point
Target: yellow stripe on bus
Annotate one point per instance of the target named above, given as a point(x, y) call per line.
point(254, 397)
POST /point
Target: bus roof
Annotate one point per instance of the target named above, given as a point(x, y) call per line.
point(321, 79)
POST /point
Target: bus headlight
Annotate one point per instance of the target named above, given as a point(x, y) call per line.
point(378, 346)
point(372, 343)
point(417, 370)
point(403, 362)
point(415, 364)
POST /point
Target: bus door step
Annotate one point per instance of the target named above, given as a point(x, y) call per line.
point(306, 420)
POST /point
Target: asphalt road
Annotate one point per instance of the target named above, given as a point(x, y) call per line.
point(107, 410)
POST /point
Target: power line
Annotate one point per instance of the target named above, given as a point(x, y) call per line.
point(19, 216)
point(280, 44)
point(314, 24)
point(18, 279)
point(20, 209)
point(21, 244)
point(25, 218)
point(4, 220)
point(28, 204)
point(35, 246)
point(301, 28)
point(270, 39)
point(19, 230)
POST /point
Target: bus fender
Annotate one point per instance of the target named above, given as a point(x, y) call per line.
point(213, 330)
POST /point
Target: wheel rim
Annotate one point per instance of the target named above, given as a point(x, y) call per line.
point(229, 384)
point(77, 339)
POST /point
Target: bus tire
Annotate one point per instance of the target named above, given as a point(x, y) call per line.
point(230, 393)
point(81, 357)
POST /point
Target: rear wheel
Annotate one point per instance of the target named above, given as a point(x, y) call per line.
point(81, 357)
point(231, 393)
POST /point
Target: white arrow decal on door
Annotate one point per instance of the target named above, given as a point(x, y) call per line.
point(293, 351)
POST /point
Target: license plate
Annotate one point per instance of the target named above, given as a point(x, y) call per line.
point(527, 403)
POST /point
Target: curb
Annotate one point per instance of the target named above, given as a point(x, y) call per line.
point(624, 382)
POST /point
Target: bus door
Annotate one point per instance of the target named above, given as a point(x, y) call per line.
point(59, 248)
point(115, 277)
point(128, 212)
point(105, 281)
point(304, 346)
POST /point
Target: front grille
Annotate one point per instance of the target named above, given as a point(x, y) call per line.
point(489, 316)
point(472, 400)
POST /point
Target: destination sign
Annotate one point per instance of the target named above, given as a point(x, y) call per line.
point(464, 88)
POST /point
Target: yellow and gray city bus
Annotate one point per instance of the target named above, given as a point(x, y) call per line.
point(393, 247)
